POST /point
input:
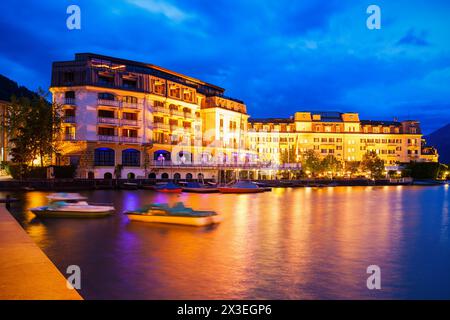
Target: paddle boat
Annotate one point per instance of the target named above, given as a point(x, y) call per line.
point(178, 214)
point(168, 188)
point(199, 188)
point(71, 205)
point(242, 187)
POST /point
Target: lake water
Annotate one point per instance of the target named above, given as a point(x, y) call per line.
point(286, 244)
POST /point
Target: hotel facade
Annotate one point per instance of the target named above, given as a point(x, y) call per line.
point(149, 122)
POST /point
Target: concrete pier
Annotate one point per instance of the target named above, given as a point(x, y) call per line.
point(26, 273)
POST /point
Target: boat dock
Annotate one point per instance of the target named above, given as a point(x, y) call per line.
point(26, 273)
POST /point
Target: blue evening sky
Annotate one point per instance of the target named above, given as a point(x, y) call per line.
point(278, 56)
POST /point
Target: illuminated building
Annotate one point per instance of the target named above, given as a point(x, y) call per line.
point(342, 135)
point(153, 122)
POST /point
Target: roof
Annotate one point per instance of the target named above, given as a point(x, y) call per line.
point(380, 123)
point(87, 55)
point(271, 120)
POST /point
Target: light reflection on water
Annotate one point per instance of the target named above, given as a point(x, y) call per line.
point(301, 243)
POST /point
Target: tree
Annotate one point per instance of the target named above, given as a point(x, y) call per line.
point(33, 126)
point(352, 167)
point(372, 163)
point(330, 163)
point(311, 162)
point(288, 155)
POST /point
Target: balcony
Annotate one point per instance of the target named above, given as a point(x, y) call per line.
point(161, 110)
point(106, 120)
point(128, 122)
point(131, 105)
point(68, 119)
point(107, 138)
point(109, 103)
point(188, 115)
point(69, 101)
point(129, 139)
point(159, 125)
point(177, 113)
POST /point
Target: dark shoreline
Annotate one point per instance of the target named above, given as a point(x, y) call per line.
point(101, 184)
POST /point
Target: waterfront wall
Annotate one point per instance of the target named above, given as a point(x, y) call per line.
point(26, 273)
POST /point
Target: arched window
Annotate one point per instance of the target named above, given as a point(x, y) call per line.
point(188, 176)
point(131, 175)
point(107, 176)
point(104, 157)
point(200, 176)
point(161, 155)
point(165, 176)
point(152, 175)
point(177, 176)
point(131, 158)
point(129, 99)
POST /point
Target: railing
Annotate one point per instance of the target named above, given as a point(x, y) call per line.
point(108, 120)
point(107, 138)
point(69, 101)
point(131, 105)
point(129, 122)
point(69, 119)
point(130, 139)
point(161, 110)
point(177, 113)
point(106, 102)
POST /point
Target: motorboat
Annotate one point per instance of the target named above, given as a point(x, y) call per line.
point(199, 188)
point(168, 188)
point(65, 196)
point(242, 187)
point(79, 209)
point(178, 214)
point(71, 205)
point(130, 186)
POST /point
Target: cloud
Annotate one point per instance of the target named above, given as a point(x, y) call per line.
point(414, 39)
point(162, 7)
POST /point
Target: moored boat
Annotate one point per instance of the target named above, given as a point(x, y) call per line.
point(197, 187)
point(242, 187)
point(130, 186)
point(168, 188)
point(80, 209)
point(178, 214)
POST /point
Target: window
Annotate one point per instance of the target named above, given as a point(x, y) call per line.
point(129, 133)
point(106, 96)
point(129, 99)
point(68, 77)
point(129, 83)
point(69, 95)
point(106, 114)
point(106, 131)
point(104, 157)
point(131, 158)
point(105, 80)
point(129, 116)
